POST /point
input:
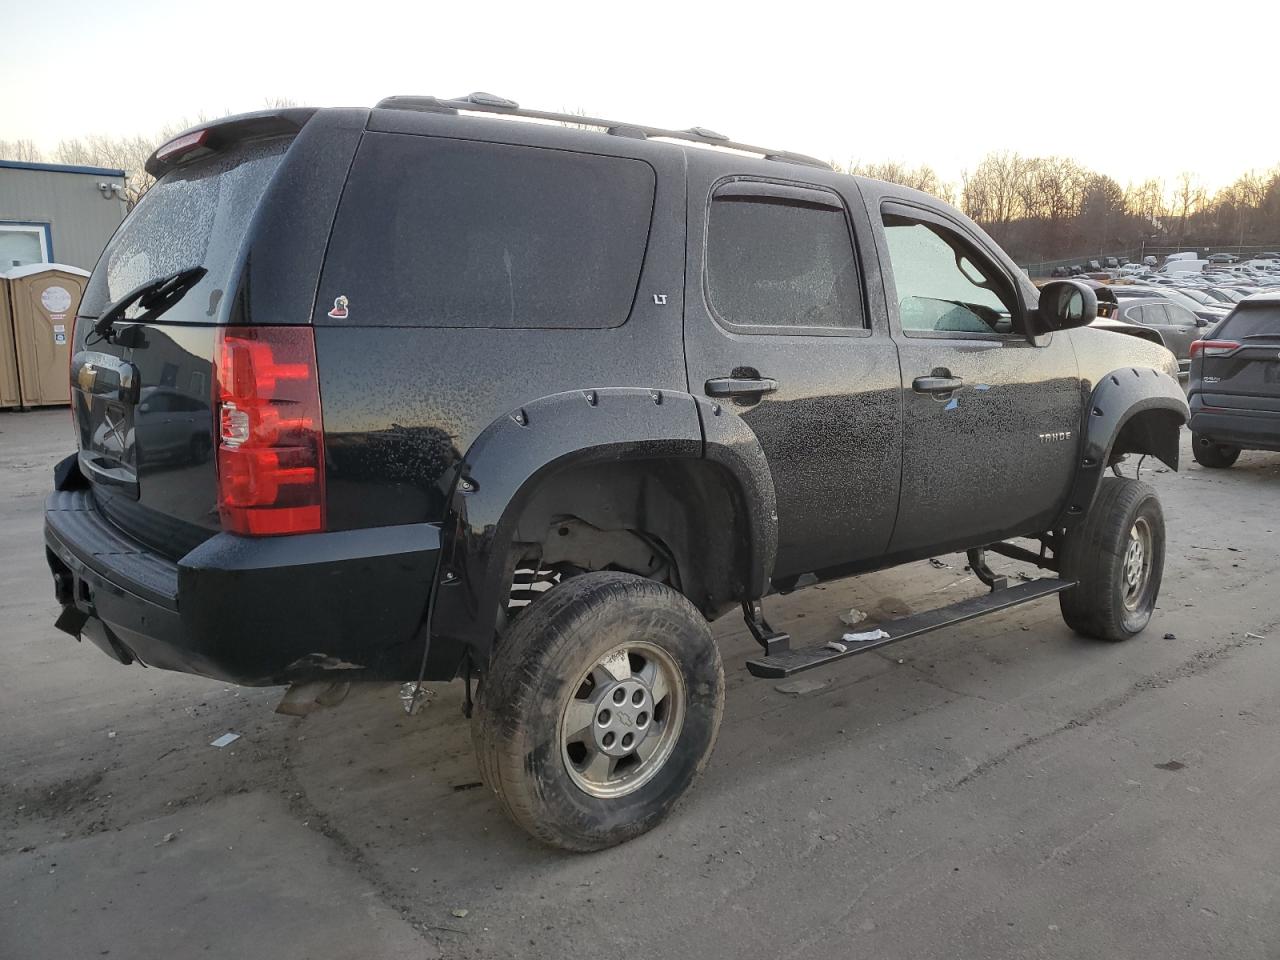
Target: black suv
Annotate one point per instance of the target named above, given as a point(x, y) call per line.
point(527, 405)
point(1234, 385)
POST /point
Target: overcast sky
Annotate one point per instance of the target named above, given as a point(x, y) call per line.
point(1132, 90)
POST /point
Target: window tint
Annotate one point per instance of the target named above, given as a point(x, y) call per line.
point(451, 233)
point(1180, 315)
point(1252, 321)
point(943, 286)
point(779, 262)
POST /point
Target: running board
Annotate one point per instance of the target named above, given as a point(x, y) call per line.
point(788, 662)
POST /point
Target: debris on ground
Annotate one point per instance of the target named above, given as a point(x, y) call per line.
point(935, 562)
point(167, 838)
point(1255, 636)
point(459, 912)
point(864, 637)
point(1170, 636)
point(852, 617)
point(1172, 765)
point(225, 740)
point(414, 696)
point(797, 687)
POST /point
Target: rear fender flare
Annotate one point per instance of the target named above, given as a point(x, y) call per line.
point(513, 455)
point(1118, 398)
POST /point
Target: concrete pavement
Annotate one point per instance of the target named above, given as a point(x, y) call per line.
point(998, 789)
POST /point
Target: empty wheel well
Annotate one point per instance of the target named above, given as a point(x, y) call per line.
point(678, 521)
point(1154, 432)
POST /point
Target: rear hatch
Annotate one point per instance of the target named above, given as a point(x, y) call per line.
point(143, 392)
point(1239, 364)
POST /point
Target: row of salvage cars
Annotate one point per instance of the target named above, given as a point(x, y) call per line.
point(1228, 348)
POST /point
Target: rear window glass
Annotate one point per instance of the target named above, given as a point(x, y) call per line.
point(1251, 322)
point(449, 233)
point(196, 215)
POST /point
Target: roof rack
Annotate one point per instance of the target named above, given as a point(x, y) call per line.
point(489, 103)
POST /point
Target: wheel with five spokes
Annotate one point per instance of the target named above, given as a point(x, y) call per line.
point(599, 709)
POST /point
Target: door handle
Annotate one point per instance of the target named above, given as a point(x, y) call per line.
point(739, 386)
point(936, 384)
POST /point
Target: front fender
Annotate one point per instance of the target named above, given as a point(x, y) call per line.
point(513, 455)
point(1124, 397)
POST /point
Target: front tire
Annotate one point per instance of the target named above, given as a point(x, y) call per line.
point(599, 710)
point(1216, 456)
point(1116, 557)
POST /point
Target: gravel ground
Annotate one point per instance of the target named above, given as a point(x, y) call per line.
point(1000, 789)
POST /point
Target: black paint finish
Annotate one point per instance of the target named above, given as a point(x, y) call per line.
point(450, 450)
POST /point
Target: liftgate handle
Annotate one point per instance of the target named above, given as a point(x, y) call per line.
point(739, 386)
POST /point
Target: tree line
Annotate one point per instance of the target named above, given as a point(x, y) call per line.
point(1048, 208)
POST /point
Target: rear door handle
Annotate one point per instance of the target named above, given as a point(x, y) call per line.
point(936, 384)
point(739, 386)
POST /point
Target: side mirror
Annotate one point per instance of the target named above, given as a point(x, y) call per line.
point(1066, 304)
point(1201, 322)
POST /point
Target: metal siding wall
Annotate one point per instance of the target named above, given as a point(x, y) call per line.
point(81, 219)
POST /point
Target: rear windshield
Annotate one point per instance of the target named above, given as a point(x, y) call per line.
point(1251, 322)
point(449, 233)
point(196, 215)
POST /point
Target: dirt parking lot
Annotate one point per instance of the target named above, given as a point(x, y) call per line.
point(999, 789)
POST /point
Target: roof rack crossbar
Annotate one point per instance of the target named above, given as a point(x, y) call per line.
point(489, 103)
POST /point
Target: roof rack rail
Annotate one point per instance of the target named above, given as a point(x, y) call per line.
point(490, 103)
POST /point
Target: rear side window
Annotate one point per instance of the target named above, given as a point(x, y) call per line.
point(195, 216)
point(1251, 321)
point(450, 233)
point(781, 261)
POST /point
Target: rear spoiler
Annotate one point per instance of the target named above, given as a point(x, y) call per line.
point(209, 138)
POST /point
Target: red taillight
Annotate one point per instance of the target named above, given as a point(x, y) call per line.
point(1213, 348)
point(270, 431)
point(181, 146)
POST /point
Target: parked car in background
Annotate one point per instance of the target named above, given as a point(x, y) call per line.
point(1178, 327)
point(1234, 385)
point(1222, 258)
point(1111, 263)
point(1183, 266)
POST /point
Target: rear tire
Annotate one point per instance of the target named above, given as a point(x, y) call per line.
point(1116, 557)
point(599, 710)
point(1213, 455)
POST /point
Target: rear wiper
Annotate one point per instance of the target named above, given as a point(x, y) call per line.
point(154, 297)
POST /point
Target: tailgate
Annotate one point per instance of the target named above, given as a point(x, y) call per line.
point(1240, 366)
point(142, 395)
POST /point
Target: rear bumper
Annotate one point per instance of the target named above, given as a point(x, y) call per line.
point(252, 611)
point(1250, 429)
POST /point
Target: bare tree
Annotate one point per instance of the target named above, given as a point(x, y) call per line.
point(22, 150)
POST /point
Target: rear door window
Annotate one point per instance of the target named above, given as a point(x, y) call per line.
point(434, 232)
point(780, 259)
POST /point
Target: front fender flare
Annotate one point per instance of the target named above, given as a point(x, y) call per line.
point(1118, 398)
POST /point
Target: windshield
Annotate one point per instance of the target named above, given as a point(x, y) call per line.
point(196, 215)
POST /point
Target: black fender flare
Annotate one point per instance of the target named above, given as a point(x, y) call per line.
point(1118, 397)
point(510, 458)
